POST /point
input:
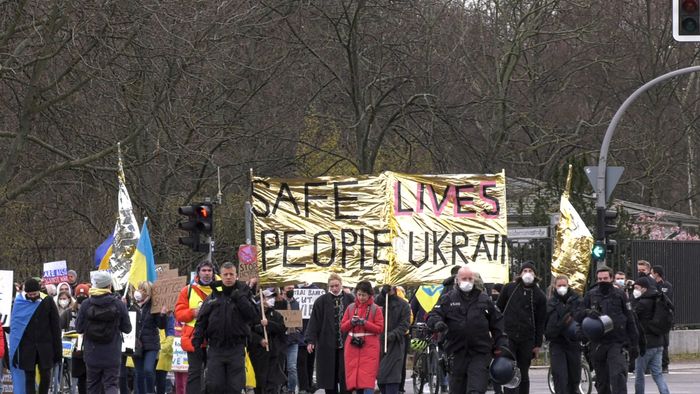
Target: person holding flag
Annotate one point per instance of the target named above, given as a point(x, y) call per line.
point(35, 339)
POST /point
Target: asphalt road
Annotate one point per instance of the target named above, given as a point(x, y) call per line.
point(681, 379)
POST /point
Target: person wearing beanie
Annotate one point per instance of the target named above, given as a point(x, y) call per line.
point(72, 280)
point(665, 287)
point(35, 339)
point(524, 308)
point(186, 311)
point(102, 319)
point(650, 355)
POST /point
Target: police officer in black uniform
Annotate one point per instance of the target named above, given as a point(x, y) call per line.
point(474, 330)
point(608, 352)
point(524, 307)
point(562, 334)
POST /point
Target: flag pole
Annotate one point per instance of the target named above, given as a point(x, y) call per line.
point(386, 323)
point(262, 316)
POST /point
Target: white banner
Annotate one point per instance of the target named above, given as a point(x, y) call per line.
point(6, 288)
point(55, 272)
point(306, 299)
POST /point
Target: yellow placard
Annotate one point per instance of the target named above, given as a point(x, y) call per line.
point(391, 228)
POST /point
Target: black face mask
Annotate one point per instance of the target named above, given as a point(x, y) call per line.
point(642, 274)
point(33, 299)
point(494, 297)
point(289, 293)
point(605, 287)
point(80, 299)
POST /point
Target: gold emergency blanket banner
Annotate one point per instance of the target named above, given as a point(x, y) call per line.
point(392, 228)
point(572, 243)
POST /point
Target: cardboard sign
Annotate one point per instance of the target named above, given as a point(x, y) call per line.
point(247, 262)
point(164, 271)
point(165, 293)
point(179, 357)
point(55, 272)
point(306, 299)
point(6, 288)
point(292, 319)
point(129, 340)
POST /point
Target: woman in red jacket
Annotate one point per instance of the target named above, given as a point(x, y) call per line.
point(362, 322)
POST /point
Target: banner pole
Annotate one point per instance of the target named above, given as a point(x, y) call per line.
point(262, 314)
point(386, 323)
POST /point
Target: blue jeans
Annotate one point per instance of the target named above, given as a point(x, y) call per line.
point(651, 359)
point(145, 372)
point(292, 352)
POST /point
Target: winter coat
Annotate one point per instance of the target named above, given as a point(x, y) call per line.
point(322, 331)
point(473, 322)
point(613, 302)
point(269, 366)
point(362, 363)
point(167, 336)
point(524, 311)
point(2, 343)
point(644, 308)
point(224, 319)
point(147, 326)
point(41, 343)
point(396, 321)
point(560, 314)
point(103, 355)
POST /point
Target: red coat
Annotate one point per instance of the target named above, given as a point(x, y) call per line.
point(362, 363)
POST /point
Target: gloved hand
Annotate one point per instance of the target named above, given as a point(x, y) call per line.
point(634, 352)
point(592, 313)
point(441, 326)
point(642, 350)
point(385, 289)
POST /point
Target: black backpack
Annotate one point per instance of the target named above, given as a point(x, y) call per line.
point(662, 320)
point(102, 322)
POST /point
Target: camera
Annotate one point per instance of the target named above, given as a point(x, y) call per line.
point(357, 341)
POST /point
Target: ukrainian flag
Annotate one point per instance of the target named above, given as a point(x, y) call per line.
point(143, 266)
point(103, 253)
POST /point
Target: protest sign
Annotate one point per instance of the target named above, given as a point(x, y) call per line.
point(55, 272)
point(165, 293)
point(306, 299)
point(129, 340)
point(292, 319)
point(247, 262)
point(179, 357)
point(6, 289)
point(391, 228)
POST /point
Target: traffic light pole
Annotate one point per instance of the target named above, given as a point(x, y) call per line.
point(600, 191)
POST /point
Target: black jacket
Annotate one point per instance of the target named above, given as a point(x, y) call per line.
point(268, 365)
point(41, 343)
point(147, 326)
point(560, 313)
point(524, 311)
point(473, 322)
point(644, 308)
point(223, 320)
point(612, 301)
point(103, 355)
point(665, 287)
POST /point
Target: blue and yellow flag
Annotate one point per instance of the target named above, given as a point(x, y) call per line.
point(103, 253)
point(428, 296)
point(143, 265)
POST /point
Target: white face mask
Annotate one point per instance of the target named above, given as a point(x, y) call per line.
point(562, 290)
point(63, 303)
point(270, 302)
point(138, 296)
point(528, 278)
point(620, 282)
point(636, 293)
point(466, 286)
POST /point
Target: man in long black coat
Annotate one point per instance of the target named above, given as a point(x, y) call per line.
point(41, 342)
point(396, 323)
point(323, 336)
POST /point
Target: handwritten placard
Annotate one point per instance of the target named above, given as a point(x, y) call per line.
point(247, 262)
point(55, 272)
point(179, 357)
point(165, 293)
point(306, 299)
point(292, 319)
point(6, 287)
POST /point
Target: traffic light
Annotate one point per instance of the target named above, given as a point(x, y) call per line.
point(205, 219)
point(598, 252)
point(189, 225)
point(686, 20)
point(610, 226)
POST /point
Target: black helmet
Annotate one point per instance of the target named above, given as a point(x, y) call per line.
point(595, 329)
point(504, 371)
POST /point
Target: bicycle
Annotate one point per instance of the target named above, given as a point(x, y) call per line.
point(586, 384)
point(63, 384)
point(429, 363)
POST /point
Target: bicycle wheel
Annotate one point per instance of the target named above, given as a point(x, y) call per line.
point(550, 380)
point(66, 384)
point(420, 372)
point(586, 385)
point(432, 372)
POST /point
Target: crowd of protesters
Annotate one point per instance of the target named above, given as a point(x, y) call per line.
point(356, 339)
